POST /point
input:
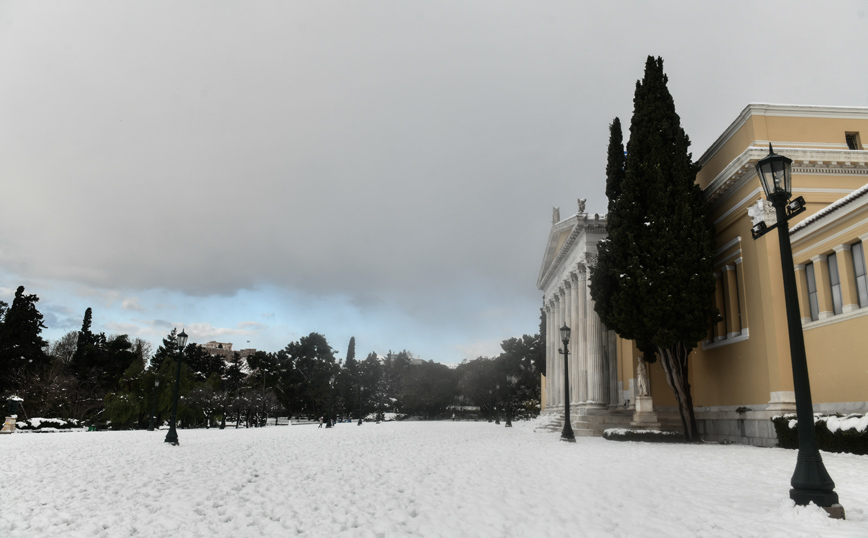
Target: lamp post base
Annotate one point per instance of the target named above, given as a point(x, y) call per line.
point(836, 511)
point(821, 498)
point(567, 433)
point(172, 437)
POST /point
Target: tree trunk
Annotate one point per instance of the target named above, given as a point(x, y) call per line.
point(674, 363)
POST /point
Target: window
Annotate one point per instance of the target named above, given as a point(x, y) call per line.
point(812, 292)
point(859, 269)
point(853, 141)
point(835, 282)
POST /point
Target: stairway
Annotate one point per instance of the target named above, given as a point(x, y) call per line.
point(553, 421)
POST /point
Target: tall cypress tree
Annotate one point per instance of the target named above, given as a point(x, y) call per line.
point(21, 343)
point(654, 282)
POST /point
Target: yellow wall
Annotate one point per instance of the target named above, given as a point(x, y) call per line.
point(838, 361)
point(745, 371)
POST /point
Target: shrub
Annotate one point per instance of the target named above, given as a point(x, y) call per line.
point(835, 433)
point(47, 424)
point(647, 436)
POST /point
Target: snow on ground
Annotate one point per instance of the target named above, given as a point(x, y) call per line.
point(430, 479)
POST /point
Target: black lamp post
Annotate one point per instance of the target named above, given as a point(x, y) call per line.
point(510, 382)
point(361, 388)
point(490, 404)
point(331, 387)
point(811, 482)
point(496, 397)
point(172, 436)
point(264, 419)
point(567, 433)
point(153, 404)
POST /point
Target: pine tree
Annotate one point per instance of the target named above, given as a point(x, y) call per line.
point(351, 349)
point(89, 348)
point(168, 350)
point(21, 353)
point(653, 282)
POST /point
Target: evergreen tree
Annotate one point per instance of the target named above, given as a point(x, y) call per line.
point(371, 371)
point(654, 282)
point(90, 352)
point(540, 356)
point(168, 350)
point(624, 222)
point(429, 388)
point(234, 375)
point(21, 343)
point(310, 363)
point(351, 349)
point(349, 381)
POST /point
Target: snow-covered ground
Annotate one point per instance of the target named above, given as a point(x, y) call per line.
point(406, 479)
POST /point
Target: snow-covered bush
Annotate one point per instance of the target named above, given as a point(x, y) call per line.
point(47, 424)
point(835, 433)
point(647, 436)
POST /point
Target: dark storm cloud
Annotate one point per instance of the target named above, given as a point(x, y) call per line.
point(388, 152)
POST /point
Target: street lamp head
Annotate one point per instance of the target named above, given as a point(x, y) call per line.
point(775, 173)
point(156, 382)
point(565, 333)
point(182, 339)
point(332, 380)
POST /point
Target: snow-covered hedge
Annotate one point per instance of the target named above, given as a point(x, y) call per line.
point(835, 433)
point(647, 436)
point(47, 424)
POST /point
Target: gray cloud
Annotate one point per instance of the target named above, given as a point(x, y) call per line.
point(392, 153)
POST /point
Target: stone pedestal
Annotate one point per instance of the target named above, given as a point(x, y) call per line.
point(9, 425)
point(644, 416)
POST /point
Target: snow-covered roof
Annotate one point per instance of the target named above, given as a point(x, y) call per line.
point(858, 193)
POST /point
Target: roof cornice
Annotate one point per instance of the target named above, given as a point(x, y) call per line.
point(805, 161)
point(796, 111)
point(581, 223)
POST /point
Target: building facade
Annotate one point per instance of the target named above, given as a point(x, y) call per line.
point(594, 384)
point(740, 374)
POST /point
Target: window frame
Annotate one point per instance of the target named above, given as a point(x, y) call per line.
point(857, 250)
point(813, 301)
point(835, 284)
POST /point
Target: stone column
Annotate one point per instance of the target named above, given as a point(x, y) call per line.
point(824, 287)
point(558, 383)
point(581, 335)
point(597, 371)
point(733, 323)
point(568, 321)
point(802, 285)
point(562, 319)
point(574, 338)
point(552, 338)
point(720, 327)
point(548, 350)
point(849, 292)
point(615, 393)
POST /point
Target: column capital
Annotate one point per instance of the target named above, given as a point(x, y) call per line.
point(819, 258)
point(842, 248)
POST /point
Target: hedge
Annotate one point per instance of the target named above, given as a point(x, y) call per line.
point(843, 439)
point(645, 436)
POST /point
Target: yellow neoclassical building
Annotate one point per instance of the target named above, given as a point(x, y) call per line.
point(740, 374)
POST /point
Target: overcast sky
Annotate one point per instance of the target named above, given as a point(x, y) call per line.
point(256, 171)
